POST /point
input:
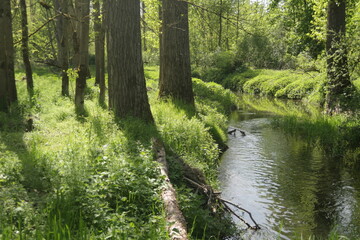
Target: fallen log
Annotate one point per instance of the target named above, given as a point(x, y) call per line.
point(174, 217)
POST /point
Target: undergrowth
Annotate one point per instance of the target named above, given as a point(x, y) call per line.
point(69, 177)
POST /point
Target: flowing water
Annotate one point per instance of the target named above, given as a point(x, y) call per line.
point(292, 190)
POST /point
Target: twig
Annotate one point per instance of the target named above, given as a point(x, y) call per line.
point(240, 218)
point(39, 28)
point(217, 14)
point(242, 209)
point(234, 130)
point(208, 191)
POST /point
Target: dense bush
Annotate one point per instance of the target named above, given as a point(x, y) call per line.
point(218, 65)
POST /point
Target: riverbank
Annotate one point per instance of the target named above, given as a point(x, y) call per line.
point(292, 189)
point(93, 177)
point(337, 135)
point(286, 84)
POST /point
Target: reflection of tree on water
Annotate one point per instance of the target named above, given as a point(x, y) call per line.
point(300, 191)
point(296, 184)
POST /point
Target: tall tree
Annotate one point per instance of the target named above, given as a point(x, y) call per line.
point(127, 88)
point(175, 70)
point(143, 11)
point(25, 47)
point(220, 23)
point(339, 85)
point(83, 17)
point(99, 49)
point(62, 36)
point(7, 78)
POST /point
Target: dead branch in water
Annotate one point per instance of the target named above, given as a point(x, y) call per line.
point(213, 197)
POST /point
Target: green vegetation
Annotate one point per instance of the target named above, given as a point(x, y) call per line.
point(338, 135)
point(306, 81)
point(93, 177)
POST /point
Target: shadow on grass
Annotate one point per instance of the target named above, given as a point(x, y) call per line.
point(12, 131)
point(186, 108)
point(137, 131)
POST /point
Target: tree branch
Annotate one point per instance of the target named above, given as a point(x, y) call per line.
point(211, 194)
point(39, 28)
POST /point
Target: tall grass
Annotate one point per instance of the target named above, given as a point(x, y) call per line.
point(94, 177)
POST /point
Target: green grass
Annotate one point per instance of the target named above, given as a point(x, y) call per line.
point(94, 177)
point(289, 84)
point(337, 135)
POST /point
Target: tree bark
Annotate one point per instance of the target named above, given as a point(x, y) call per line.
point(143, 7)
point(220, 24)
point(84, 11)
point(127, 88)
point(175, 70)
point(8, 92)
point(25, 47)
point(177, 224)
point(339, 86)
point(99, 50)
point(62, 37)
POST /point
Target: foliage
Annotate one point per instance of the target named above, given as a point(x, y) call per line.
point(337, 135)
point(94, 177)
point(202, 223)
point(75, 178)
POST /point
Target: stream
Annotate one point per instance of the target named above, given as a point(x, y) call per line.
point(292, 190)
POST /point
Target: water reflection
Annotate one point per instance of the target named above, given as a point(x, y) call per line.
point(291, 188)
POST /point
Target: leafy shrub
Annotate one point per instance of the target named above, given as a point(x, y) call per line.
point(214, 95)
point(221, 63)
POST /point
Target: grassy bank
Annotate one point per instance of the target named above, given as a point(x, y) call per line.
point(278, 83)
point(338, 135)
point(308, 83)
point(69, 177)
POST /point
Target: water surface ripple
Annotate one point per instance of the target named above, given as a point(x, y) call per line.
point(291, 188)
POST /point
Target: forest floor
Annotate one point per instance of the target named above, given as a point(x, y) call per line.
point(64, 176)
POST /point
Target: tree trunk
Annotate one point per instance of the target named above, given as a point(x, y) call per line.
point(143, 7)
point(8, 92)
point(62, 37)
point(84, 11)
point(175, 71)
point(339, 86)
point(220, 24)
point(25, 47)
point(64, 46)
point(127, 88)
point(238, 21)
point(99, 50)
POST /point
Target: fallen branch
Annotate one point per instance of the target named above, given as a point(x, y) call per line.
point(240, 218)
point(242, 209)
point(174, 216)
point(213, 197)
point(196, 180)
point(237, 129)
